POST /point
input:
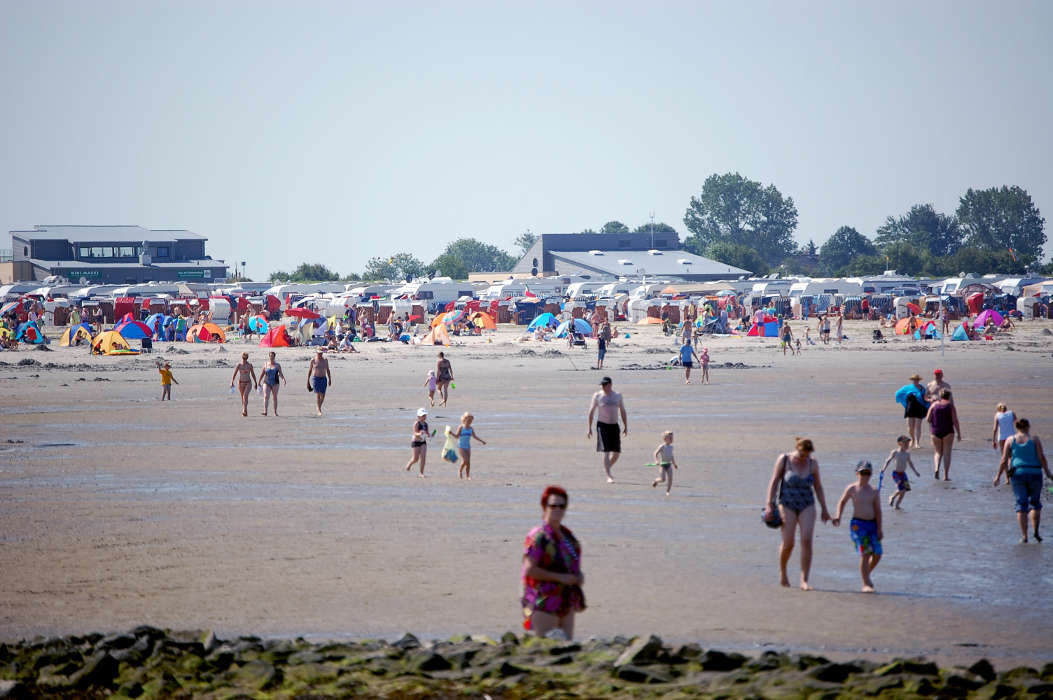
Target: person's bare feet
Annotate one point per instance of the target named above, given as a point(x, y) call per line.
point(784, 581)
point(264, 413)
point(805, 586)
point(868, 588)
point(245, 414)
point(422, 476)
point(610, 479)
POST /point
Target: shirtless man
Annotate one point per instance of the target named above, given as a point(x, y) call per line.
point(610, 405)
point(246, 377)
point(319, 378)
point(933, 388)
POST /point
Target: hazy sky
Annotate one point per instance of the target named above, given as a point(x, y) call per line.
point(333, 132)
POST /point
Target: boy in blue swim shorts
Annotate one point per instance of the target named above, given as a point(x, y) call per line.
point(901, 458)
point(866, 521)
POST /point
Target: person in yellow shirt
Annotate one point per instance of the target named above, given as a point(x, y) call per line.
point(166, 381)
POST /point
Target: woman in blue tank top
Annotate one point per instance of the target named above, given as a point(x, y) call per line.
point(1024, 461)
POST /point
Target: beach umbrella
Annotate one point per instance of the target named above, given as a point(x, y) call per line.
point(134, 329)
point(913, 308)
point(9, 307)
point(302, 313)
point(987, 316)
point(258, 324)
point(451, 317)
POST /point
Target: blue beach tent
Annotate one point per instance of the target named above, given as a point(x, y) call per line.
point(545, 319)
point(959, 333)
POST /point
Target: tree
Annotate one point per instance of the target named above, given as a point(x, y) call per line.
point(525, 241)
point(810, 248)
point(352, 277)
point(923, 228)
point(904, 258)
point(738, 255)
point(842, 247)
point(397, 267)
point(982, 262)
point(279, 276)
point(467, 255)
point(733, 209)
point(1000, 219)
point(614, 227)
point(659, 227)
point(306, 273)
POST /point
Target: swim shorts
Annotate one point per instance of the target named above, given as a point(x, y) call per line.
point(902, 482)
point(608, 438)
point(319, 384)
point(1027, 488)
point(864, 536)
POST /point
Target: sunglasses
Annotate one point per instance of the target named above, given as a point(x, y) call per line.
point(559, 506)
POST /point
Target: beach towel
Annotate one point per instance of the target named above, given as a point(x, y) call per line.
point(449, 449)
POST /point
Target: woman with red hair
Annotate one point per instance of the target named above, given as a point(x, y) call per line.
point(552, 576)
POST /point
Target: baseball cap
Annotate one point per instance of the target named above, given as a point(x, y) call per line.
point(605, 380)
point(937, 371)
point(422, 412)
point(864, 466)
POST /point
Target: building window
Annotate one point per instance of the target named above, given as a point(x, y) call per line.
point(85, 252)
point(162, 251)
point(25, 251)
point(127, 252)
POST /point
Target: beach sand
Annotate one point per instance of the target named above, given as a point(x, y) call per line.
point(117, 509)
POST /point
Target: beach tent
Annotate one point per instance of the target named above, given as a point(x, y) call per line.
point(649, 321)
point(987, 316)
point(258, 324)
point(903, 326)
point(81, 331)
point(580, 326)
point(437, 336)
point(134, 330)
point(904, 391)
point(975, 302)
point(545, 319)
point(156, 323)
point(767, 329)
point(111, 343)
point(276, 337)
point(927, 329)
point(29, 332)
point(959, 333)
point(203, 332)
point(483, 320)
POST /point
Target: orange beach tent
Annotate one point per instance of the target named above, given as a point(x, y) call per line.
point(483, 320)
point(276, 337)
point(203, 332)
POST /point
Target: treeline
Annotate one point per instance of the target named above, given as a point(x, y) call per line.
point(751, 226)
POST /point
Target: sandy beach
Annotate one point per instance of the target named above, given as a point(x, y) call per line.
point(117, 509)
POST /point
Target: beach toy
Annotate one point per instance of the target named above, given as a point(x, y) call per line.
point(453, 385)
point(231, 389)
point(449, 449)
point(626, 335)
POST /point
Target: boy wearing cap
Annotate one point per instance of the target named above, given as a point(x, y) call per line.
point(866, 521)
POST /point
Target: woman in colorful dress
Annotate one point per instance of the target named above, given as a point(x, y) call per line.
point(552, 576)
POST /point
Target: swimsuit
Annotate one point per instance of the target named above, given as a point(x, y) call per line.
point(941, 423)
point(666, 460)
point(319, 384)
point(419, 427)
point(864, 536)
point(796, 493)
point(608, 439)
point(445, 374)
point(270, 376)
point(464, 441)
point(902, 482)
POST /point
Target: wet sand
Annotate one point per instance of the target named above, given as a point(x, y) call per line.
point(116, 509)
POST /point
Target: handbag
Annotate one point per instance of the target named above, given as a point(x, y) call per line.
point(775, 521)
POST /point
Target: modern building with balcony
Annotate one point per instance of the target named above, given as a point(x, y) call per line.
point(114, 254)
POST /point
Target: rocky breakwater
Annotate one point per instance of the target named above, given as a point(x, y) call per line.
point(151, 663)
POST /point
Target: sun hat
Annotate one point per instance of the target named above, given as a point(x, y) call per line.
point(422, 412)
point(915, 376)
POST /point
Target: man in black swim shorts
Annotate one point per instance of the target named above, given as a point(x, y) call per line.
point(609, 405)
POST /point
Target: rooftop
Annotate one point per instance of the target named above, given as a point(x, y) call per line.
point(101, 234)
point(666, 263)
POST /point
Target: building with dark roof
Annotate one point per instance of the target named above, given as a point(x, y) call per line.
point(620, 255)
point(115, 254)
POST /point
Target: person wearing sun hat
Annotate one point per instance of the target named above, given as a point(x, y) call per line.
point(915, 409)
point(419, 443)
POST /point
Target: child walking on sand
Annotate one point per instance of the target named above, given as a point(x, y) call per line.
point(704, 360)
point(166, 381)
point(901, 457)
point(431, 383)
point(663, 455)
point(465, 433)
point(866, 522)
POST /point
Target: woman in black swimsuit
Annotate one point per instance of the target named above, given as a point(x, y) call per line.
point(272, 372)
point(419, 443)
point(443, 377)
point(794, 487)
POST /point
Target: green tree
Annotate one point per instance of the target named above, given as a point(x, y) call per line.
point(733, 209)
point(525, 240)
point(659, 227)
point(352, 277)
point(396, 267)
point(306, 272)
point(1002, 218)
point(904, 258)
point(279, 276)
point(810, 248)
point(467, 255)
point(842, 247)
point(738, 255)
point(923, 228)
point(865, 265)
point(614, 227)
point(982, 262)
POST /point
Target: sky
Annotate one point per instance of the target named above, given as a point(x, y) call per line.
point(334, 132)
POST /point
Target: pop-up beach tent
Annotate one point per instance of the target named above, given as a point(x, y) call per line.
point(767, 327)
point(134, 330)
point(276, 337)
point(959, 333)
point(927, 329)
point(437, 336)
point(580, 326)
point(483, 320)
point(203, 332)
point(29, 332)
point(258, 324)
point(156, 323)
point(545, 319)
point(111, 343)
point(82, 331)
point(988, 316)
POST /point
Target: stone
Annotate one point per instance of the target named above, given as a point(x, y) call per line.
point(99, 670)
point(408, 641)
point(637, 674)
point(429, 661)
point(688, 651)
point(510, 638)
point(257, 675)
point(713, 660)
point(984, 670)
point(833, 672)
point(506, 670)
point(964, 682)
point(806, 661)
point(561, 649)
point(641, 651)
point(116, 641)
point(1020, 673)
